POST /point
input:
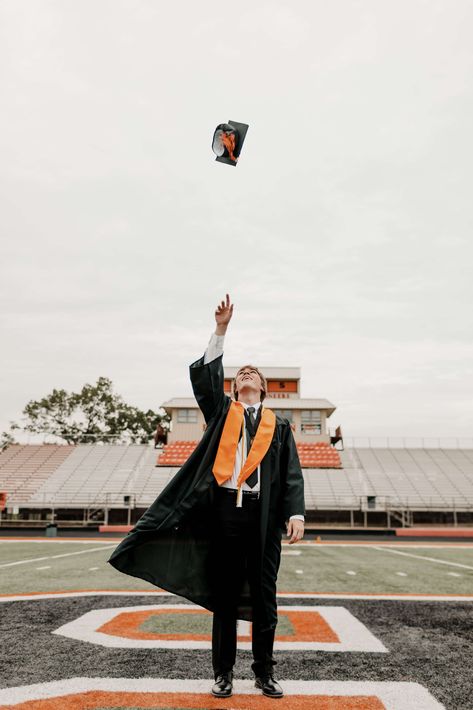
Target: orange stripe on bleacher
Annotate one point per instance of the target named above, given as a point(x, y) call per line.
point(319, 455)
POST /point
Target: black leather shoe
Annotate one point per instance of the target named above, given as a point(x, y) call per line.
point(269, 686)
point(223, 687)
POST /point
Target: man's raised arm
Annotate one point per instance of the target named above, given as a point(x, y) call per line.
point(206, 373)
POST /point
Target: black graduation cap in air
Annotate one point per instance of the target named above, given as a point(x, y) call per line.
point(228, 141)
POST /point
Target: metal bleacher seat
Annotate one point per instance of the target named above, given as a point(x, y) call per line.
point(25, 468)
point(94, 472)
point(98, 474)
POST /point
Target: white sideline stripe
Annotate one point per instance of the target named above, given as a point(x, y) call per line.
point(291, 552)
point(44, 567)
point(66, 541)
point(98, 593)
point(307, 543)
point(394, 695)
point(55, 557)
point(321, 546)
point(428, 559)
point(354, 636)
point(280, 595)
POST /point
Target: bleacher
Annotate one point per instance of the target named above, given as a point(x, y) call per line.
point(437, 478)
point(319, 455)
point(86, 475)
point(176, 454)
point(25, 468)
point(102, 473)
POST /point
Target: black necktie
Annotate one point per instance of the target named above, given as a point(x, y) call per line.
point(251, 427)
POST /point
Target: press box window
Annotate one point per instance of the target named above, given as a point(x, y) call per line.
point(311, 421)
point(187, 416)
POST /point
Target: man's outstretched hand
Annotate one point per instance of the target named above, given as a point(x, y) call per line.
point(295, 530)
point(223, 315)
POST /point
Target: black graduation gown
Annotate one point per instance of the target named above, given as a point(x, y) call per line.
point(171, 544)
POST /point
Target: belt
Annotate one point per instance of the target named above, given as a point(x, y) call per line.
point(252, 495)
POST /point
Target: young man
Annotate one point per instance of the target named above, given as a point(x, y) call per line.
point(214, 533)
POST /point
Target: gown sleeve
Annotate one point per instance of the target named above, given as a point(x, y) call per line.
point(292, 478)
point(207, 378)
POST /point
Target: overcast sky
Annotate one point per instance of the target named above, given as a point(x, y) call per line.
point(344, 235)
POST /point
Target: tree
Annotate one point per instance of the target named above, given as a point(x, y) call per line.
point(5, 440)
point(93, 414)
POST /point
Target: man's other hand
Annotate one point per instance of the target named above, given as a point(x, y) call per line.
point(295, 530)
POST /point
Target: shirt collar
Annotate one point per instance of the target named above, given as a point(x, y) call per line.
point(255, 405)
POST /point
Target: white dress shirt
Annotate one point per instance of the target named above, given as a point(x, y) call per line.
point(214, 350)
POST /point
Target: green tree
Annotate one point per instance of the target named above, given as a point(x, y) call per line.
point(5, 440)
point(94, 414)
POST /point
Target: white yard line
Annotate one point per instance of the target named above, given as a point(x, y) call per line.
point(35, 596)
point(421, 557)
point(53, 557)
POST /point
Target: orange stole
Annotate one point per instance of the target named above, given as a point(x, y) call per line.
point(225, 458)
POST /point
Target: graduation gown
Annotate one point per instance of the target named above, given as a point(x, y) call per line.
point(171, 544)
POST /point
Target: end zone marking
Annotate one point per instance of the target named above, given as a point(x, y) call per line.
point(324, 628)
point(156, 692)
point(406, 596)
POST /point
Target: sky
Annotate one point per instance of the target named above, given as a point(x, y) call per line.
point(343, 235)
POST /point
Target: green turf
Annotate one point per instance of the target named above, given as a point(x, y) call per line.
point(195, 624)
point(178, 624)
point(13, 551)
point(324, 569)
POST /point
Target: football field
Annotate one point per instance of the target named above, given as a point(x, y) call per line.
point(370, 625)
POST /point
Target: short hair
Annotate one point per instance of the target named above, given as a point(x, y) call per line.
point(264, 384)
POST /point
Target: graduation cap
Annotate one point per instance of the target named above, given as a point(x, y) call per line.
point(228, 141)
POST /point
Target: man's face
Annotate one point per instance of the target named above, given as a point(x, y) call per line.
point(248, 377)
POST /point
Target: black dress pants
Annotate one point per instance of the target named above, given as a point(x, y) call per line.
point(236, 554)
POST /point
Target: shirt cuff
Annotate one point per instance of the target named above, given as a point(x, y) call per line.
point(214, 348)
point(297, 517)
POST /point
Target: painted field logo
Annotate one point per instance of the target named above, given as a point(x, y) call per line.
point(167, 694)
point(325, 628)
